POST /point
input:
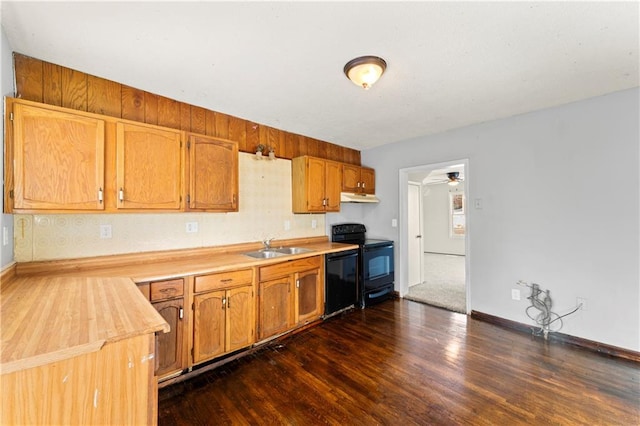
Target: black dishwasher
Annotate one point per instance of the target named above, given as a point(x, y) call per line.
point(341, 289)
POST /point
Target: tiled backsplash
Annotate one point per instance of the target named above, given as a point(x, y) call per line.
point(265, 209)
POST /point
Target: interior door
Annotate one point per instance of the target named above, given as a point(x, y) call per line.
point(414, 225)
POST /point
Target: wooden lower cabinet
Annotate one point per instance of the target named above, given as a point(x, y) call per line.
point(114, 385)
point(290, 295)
point(276, 307)
point(167, 297)
point(169, 346)
point(309, 295)
point(223, 317)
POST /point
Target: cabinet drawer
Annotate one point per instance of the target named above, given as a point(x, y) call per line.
point(286, 268)
point(161, 290)
point(223, 280)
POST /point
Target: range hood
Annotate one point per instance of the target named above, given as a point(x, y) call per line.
point(349, 197)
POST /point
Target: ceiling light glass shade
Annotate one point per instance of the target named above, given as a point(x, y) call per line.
point(365, 70)
point(453, 182)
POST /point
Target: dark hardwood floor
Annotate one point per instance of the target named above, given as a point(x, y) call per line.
point(405, 363)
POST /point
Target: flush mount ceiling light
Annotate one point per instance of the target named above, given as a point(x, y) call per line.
point(365, 70)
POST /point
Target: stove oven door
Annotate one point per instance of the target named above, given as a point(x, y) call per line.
point(377, 273)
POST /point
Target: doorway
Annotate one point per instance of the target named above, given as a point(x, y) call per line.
point(433, 249)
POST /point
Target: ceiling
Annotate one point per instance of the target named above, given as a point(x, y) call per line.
point(450, 64)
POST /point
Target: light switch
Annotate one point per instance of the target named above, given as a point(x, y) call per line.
point(477, 203)
point(394, 223)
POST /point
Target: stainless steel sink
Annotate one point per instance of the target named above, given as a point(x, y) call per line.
point(276, 252)
point(264, 254)
point(292, 250)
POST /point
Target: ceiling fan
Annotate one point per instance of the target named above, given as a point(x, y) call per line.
point(453, 179)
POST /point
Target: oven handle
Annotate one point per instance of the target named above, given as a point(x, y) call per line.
point(380, 293)
point(390, 246)
point(341, 255)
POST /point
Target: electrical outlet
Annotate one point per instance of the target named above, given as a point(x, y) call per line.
point(5, 236)
point(515, 294)
point(287, 225)
point(314, 224)
point(192, 227)
point(582, 301)
point(105, 231)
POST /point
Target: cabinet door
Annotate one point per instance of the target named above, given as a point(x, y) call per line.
point(148, 167)
point(240, 318)
point(350, 178)
point(213, 174)
point(276, 307)
point(169, 345)
point(208, 325)
point(309, 301)
point(368, 180)
point(315, 182)
point(58, 160)
point(333, 184)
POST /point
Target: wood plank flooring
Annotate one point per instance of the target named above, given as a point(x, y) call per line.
point(403, 362)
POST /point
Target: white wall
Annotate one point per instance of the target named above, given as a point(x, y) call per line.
point(436, 214)
point(6, 87)
point(567, 219)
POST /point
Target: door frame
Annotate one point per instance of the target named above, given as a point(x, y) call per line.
point(420, 230)
point(403, 246)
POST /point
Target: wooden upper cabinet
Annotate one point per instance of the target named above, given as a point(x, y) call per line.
point(358, 179)
point(213, 174)
point(368, 179)
point(58, 158)
point(148, 167)
point(316, 185)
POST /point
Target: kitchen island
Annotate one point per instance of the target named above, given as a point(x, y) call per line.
point(77, 350)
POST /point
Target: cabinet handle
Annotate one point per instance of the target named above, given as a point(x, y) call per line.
point(297, 283)
point(324, 202)
point(181, 314)
point(100, 195)
point(229, 303)
point(121, 195)
point(224, 302)
point(226, 280)
point(362, 185)
point(358, 184)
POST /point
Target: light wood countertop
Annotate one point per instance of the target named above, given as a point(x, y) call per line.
point(47, 319)
point(155, 266)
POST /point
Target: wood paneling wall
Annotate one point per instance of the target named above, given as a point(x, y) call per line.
point(52, 84)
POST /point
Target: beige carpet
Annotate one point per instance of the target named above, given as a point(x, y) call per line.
point(444, 283)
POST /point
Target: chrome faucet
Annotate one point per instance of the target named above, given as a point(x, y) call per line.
point(267, 243)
